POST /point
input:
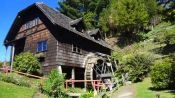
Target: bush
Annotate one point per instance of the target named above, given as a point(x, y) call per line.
point(11, 79)
point(170, 38)
point(75, 90)
point(88, 95)
point(1, 63)
point(54, 85)
point(27, 62)
point(138, 66)
point(163, 74)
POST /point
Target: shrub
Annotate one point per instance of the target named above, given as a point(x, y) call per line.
point(87, 95)
point(138, 66)
point(1, 63)
point(75, 90)
point(54, 85)
point(163, 74)
point(170, 37)
point(27, 62)
point(11, 79)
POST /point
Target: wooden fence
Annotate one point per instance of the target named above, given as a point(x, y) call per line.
point(6, 69)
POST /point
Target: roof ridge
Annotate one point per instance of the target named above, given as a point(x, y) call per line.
point(39, 2)
point(58, 18)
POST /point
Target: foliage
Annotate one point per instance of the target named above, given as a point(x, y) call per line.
point(54, 85)
point(70, 8)
point(88, 9)
point(170, 38)
point(87, 95)
point(160, 39)
point(143, 90)
point(105, 96)
point(1, 63)
point(11, 79)
point(135, 12)
point(162, 74)
point(27, 62)
point(75, 90)
point(138, 66)
point(153, 10)
point(152, 7)
point(168, 10)
point(117, 55)
point(166, 36)
point(89, 19)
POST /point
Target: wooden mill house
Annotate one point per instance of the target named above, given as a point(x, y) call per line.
point(59, 41)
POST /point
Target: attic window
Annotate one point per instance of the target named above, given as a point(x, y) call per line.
point(96, 38)
point(76, 49)
point(32, 23)
point(80, 29)
point(27, 25)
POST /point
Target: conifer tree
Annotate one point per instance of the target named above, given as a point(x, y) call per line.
point(88, 9)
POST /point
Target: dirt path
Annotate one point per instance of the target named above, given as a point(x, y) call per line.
point(126, 92)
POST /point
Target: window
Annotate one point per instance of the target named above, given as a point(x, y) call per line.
point(76, 49)
point(42, 46)
point(32, 23)
point(35, 21)
point(27, 25)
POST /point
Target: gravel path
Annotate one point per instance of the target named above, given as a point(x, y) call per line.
point(126, 92)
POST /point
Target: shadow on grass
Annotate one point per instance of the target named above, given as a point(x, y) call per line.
point(168, 49)
point(126, 39)
point(172, 91)
point(164, 50)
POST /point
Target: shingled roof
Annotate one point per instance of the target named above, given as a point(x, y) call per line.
point(93, 32)
point(63, 21)
point(76, 21)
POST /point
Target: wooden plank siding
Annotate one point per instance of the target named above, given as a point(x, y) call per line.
point(59, 46)
point(60, 34)
point(66, 56)
point(39, 33)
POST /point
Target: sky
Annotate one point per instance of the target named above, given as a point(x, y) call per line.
point(8, 12)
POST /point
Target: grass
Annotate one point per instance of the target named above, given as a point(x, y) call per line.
point(8, 90)
point(143, 90)
point(34, 82)
point(148, 45)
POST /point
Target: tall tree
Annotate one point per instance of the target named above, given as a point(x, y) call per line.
point(88, 9)
point(70, 8)
point(153, 10)
point(152, 7)
point(126, 15)
point(169, 10)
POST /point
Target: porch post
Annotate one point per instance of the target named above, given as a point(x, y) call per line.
point(73, 76)
point(59, 69)
point(12, 56)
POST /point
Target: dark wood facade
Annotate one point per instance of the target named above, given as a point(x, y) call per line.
point(66, 46)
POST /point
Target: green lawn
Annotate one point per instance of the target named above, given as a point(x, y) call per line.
point(143, 91)
point(8, 90)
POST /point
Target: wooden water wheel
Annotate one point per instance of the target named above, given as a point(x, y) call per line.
point(98, 67)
